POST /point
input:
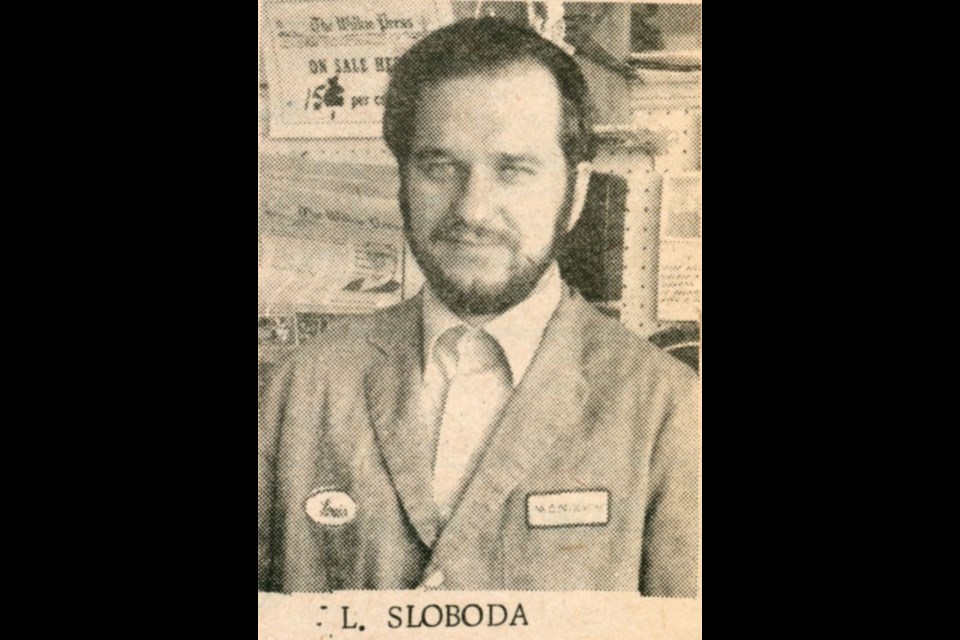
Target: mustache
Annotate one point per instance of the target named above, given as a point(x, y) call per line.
point(458, 231)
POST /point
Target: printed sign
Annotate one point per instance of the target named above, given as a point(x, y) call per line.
point(328, 63)
point(680, 296)
point(324, 248)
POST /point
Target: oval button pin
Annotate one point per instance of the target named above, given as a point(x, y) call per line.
point(331, 508)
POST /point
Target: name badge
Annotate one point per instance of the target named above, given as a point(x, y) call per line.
point(331, 508)
point(568, 509)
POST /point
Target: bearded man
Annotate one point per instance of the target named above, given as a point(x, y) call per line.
point(494, 432)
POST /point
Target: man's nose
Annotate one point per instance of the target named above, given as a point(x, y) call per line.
point(478, 198)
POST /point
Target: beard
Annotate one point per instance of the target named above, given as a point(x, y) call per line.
point(476, 297)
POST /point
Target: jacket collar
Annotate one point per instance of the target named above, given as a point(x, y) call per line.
point(392, 387)
point(399, 328)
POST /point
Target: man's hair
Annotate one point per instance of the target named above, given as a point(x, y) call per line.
point(474, 46)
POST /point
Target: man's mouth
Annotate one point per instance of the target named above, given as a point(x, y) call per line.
point(466, 238)
point(478, 243)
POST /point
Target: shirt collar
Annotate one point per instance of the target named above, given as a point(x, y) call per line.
point(519, 330)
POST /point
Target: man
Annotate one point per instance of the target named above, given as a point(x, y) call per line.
point(495, 432)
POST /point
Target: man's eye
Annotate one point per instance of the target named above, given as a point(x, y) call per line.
point(512, 174)
point(438, 170)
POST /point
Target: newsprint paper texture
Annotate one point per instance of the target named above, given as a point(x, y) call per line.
point(479, 408)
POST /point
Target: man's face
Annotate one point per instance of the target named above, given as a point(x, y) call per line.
point(487, 192)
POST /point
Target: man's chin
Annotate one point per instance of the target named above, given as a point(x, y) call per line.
point(482, 287)
point(482, 296)
point(481, 281)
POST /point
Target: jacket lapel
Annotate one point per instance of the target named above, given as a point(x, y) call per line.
point(547, 407)
point(393, 392)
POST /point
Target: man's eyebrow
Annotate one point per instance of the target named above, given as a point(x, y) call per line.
point(523, 158)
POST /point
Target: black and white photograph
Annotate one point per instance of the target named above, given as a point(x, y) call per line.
point(479, 301)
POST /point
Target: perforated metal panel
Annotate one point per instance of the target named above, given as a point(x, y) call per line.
point(644, 174)
point(667, 107)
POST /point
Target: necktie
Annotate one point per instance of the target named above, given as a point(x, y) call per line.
point(478, 387)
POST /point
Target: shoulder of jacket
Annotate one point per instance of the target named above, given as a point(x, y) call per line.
point(350, 341)
point(625, 354)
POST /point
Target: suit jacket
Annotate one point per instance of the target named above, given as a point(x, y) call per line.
point(599, 410)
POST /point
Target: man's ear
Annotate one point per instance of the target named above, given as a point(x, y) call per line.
point(581, 186)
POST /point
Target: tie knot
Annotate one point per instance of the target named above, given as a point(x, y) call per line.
point(464, 350)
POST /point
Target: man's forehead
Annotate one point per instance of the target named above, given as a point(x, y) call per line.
point(513, 110)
